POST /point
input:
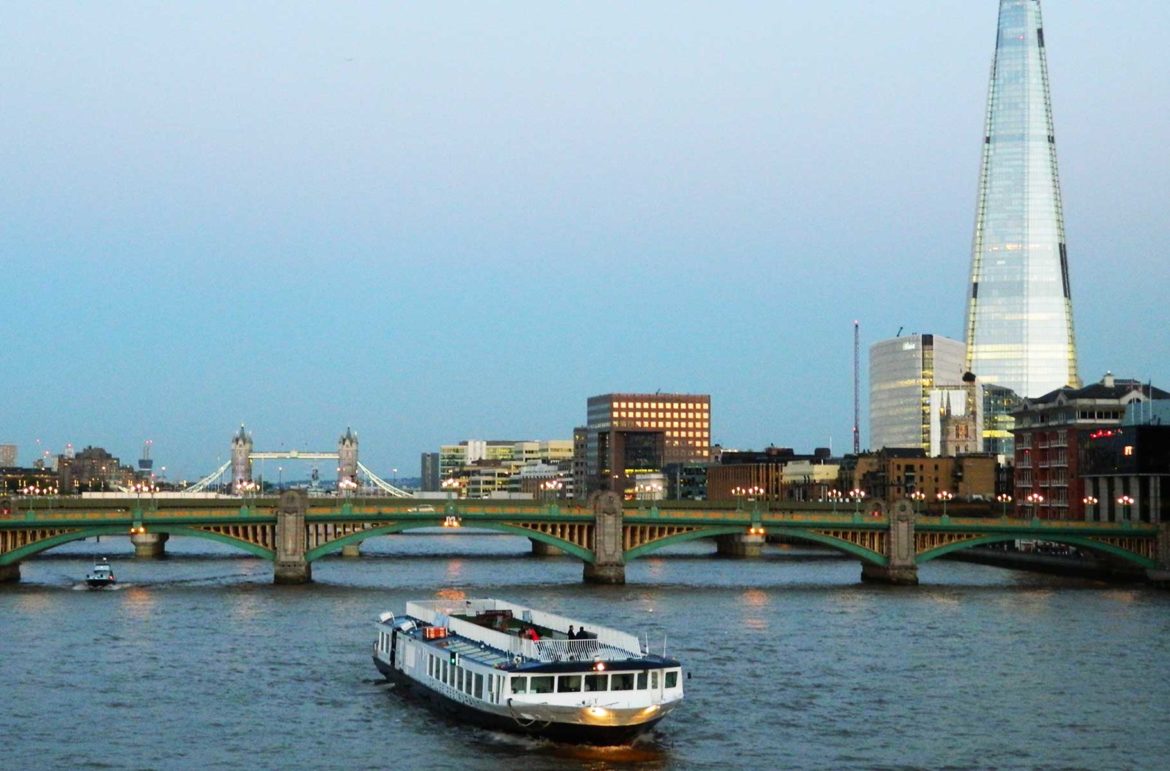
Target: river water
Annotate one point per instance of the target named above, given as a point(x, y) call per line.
point(199, 661)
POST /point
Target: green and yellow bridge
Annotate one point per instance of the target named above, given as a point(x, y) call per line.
point(294, 530)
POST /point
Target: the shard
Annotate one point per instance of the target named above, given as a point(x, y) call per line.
point(1019, 312)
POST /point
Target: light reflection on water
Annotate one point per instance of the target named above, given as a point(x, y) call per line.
point(795, 664)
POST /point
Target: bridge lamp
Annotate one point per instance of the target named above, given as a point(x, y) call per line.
point(918, 497)
point(1035, 499)
point(944, 496)
point(834, 497)
point(858, 495)
point(1004, 500)
point(1125, 502)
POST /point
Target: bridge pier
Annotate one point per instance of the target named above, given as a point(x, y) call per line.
point(290, 565)
point(900, 568)
point(10, 574)
point(351, 550)
point(149, 546)
point(542, 549)
point(1160, 576)
point(739, 545)
point(609, 561)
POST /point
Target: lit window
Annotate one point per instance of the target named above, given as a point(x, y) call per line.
point(1128, 450)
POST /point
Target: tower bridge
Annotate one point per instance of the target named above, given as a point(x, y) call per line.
point(351, 472)
point(294, 530)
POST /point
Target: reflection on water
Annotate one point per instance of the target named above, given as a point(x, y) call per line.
point(754, 604)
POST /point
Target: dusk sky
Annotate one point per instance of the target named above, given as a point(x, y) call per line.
point(441, 221)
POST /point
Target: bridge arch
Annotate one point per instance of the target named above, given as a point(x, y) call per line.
point(837, 544)
point(36, 547)
point(1081, 542)
point(336, 544)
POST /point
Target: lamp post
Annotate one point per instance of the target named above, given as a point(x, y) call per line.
point(279, 478)
point(739, 492)
point(1125, 502)
point(1004, 499)
point(551, 489)
point(1089, 502)
point(834, 497)
point(918, 497)
point(858, 495)
point(1035, 499)
point(944, 496)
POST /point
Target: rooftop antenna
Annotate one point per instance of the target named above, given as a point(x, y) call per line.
point(857, 388)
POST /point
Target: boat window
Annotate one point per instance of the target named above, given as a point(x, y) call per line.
point(672, 678)
point(519, 685)
point(642, 680)
point(542, 684)
point(569, 684)
point(430, 666)
point(621, 681)
point(459, 678)
point(444, 677)
point(479, 685)
point(597, 682)
point(654, 680)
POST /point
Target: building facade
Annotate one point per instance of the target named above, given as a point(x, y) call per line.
point(1126, 473)
point(903, 373)
point(1019, 309)
point(629, 434)
point(1048, 431)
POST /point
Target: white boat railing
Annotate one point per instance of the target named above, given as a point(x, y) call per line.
point(603, 642)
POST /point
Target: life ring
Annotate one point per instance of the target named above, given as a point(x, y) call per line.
point(517, 659)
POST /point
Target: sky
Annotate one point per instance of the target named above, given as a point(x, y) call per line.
point(439, 221)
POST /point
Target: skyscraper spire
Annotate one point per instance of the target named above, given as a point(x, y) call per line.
point(1019, 310)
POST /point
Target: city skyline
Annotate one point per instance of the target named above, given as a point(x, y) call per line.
point(431, 226)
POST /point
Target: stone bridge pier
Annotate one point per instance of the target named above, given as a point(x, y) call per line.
point(609, 561)
point(901, 567)
point(10, 574)
point(1160, 575)
point(291, 565)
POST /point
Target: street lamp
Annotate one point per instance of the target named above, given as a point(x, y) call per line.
point(858, 495)
point(1125, 502)
point(450, 486)
point(1089, 502)
point(918, 497)
point(551, 489)
point(1035, 499)
point(834, 497)
point(739, 493)
point(944, 496)
point(1004, 500)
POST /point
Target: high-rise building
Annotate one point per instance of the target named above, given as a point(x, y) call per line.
point(903, 371)
point(1019, 311)
point(631, 434)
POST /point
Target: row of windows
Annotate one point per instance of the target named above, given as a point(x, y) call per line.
point(618, 681)
point(457, 677)
point(662, 406)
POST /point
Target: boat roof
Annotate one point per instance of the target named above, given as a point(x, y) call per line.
point(485, 630)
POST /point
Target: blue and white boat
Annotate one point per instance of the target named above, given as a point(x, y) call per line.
point(508, 667)
point(101, 576)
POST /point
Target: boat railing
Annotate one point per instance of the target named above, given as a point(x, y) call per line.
point(603, 642)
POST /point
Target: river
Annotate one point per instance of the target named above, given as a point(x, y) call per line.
point(199, 661)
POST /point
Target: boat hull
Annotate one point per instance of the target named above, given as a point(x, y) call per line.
point(570, 733)
point(99, 583)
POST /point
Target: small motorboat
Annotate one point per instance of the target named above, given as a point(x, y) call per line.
point(101, 576)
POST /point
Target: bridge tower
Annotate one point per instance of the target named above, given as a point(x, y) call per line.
point(241, 460)
point(347, 457)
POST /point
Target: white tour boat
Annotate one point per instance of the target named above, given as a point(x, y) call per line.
point(507, 667)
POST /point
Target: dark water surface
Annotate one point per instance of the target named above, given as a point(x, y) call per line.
point(198, 661)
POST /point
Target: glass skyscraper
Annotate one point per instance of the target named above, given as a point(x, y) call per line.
point(1019, 312)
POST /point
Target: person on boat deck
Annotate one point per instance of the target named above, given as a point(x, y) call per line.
point(532, 634)
point(572, 634)
point(581, 634)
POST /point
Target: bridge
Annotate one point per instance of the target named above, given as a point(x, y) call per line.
point(349, 469)
point(294, 530)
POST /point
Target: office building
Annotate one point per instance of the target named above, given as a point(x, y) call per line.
point(903, 373)
point(630, 434)
point(1019, 311)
